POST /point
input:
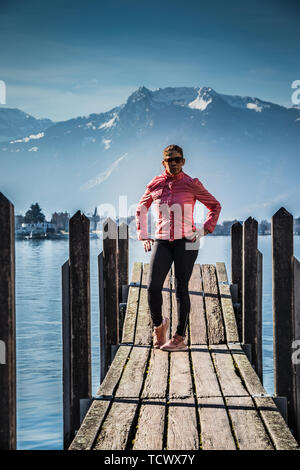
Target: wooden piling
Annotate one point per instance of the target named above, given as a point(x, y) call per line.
point(122, 271)
point(296, 341)
point(282, 252)
point(66, 336)
point(7, 326)
point(79, 317)
point(111, 291)
point(237, 271)
point(252, 333)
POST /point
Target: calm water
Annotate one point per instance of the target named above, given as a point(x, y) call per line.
point(39, 330)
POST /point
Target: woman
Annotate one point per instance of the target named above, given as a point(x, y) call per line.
point(176, 239)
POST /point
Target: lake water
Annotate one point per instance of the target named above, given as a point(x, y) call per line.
point(39, 328)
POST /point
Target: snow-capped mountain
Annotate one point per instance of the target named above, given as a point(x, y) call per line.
point(244, 150)
point(15, 123)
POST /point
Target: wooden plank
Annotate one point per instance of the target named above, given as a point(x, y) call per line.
point(132, 304)
point(230, 382)
point(275, 424)
point(115, 431)
point(214, 424)
point(143, 330)
point(226, 304)
point(248, 427)
point(109, 384)
point(205, 378)
point(180, 375)
point(90, 426)
point(133, 376)
point(157, 375)
point(249, 376)
point(182, 431)
point(8, 429)
point(150, 431)
point(215, 328)
point(198, 333)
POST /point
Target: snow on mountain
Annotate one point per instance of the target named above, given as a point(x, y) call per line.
point(14, 124)
point(227, 140)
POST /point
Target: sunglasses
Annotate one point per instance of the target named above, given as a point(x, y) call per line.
point(173, 159)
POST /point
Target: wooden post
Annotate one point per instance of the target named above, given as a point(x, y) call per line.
point(122, 271)
point(251, 315)
point(66, 333)
point(80, 362)
point(282, 252)
point(111, 292)
point(237, 270)
point(102, 335)
point(296, 342)
point(7, 326)
point(259, 290)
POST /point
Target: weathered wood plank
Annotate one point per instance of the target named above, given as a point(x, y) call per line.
point(215, 326)
point(90, 426)
point(157, 376)
point(109, 384)
point(230, 382)
point(275, 424)
point(116, 428)
point(133, 376)
point(249, 376)
point(180, 375)
point(248, 427)
point(226, 304)
point(182, 425)
point(198, 333)
point(132, 304)
point(151, 422)
point(214, 424)
point(143, 330)
point(205, 379)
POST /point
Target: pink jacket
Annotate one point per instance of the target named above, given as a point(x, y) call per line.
point(174, 198)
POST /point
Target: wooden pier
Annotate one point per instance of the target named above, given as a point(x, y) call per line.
point(207, 398)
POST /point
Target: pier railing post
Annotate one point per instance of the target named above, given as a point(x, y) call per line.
point(66, 336)
point(122, 271)
point(282, 298)
point(237, 272)
point(296, 342)
point(252, 331)
point(111, 291)
point(79, 348)
point(7, 326)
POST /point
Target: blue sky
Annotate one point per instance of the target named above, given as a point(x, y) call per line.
point(67, 58)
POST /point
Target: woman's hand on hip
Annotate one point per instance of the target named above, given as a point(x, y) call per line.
point(147, 244)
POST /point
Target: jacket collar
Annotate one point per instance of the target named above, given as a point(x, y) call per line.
point(167, 175)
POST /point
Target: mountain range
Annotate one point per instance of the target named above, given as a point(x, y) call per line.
point(244, 150)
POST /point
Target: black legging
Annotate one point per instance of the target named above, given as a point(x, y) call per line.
point(163, 254)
